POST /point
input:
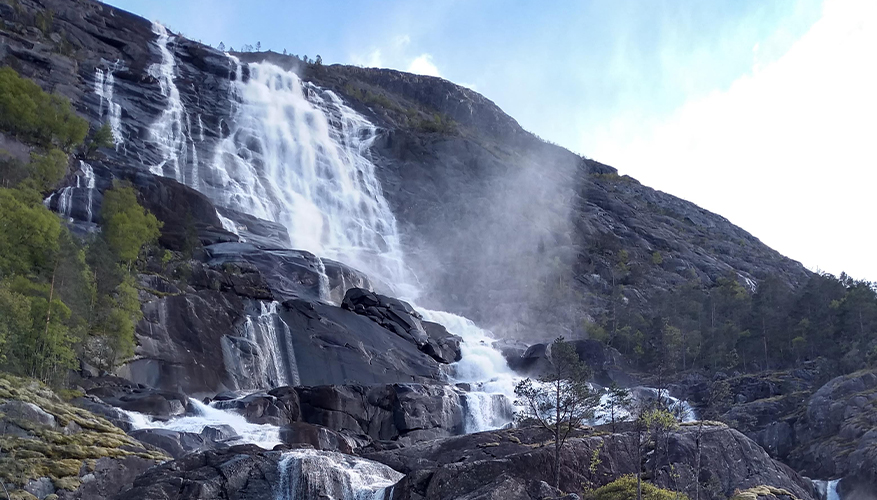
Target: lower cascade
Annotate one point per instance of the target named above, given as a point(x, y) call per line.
point(827, 490)
point(263, 435)
point(311, 474)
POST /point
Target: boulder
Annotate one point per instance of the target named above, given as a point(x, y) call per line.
point(400, 318)
point(279, 407)
point(317, 437)
point(175, 443)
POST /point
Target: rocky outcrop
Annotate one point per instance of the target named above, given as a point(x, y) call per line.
point(607, 364)
point(400, 318)
point(51, 447)
point(836, 436)
point(470, 466)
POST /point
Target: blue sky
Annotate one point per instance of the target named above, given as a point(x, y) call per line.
point(759, 111)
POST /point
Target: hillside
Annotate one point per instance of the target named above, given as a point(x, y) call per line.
point(295, 276)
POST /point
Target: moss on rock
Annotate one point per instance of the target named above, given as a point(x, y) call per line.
point(50, 452)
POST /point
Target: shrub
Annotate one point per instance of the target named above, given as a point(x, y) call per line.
point(35, 116)
point(624, 488)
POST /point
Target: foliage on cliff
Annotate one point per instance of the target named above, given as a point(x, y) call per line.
point(61, 297)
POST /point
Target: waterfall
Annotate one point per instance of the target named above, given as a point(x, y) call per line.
point(298, 156)
point(263, 356)
point(103, 87)
point(84, 181)
point(170, 130)
point(310, 474)
point(263, 435)
point(488, 404)
point(827, 489)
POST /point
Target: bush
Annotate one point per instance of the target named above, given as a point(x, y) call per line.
point(35, 116)
point(624, 488)
point(127, 225)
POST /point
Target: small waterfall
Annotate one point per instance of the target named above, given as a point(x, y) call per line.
point(263, 356)
point(103, 87)
point(312, 475)
point(227, 223)
point(827, 489)
point(170, 130)
point(298, 156)
point(263, 435)
point(492, 382)
point(84, 181)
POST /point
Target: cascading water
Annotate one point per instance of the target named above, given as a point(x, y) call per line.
point(263, 355)
point(264, 435)
point(306, 474)
point(170, 132)
point(484, 369)
point(103, 87)
point(827, 489)
point(84, 181)
point(298, 156)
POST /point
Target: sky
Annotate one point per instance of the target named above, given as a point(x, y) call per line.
point(763, 112)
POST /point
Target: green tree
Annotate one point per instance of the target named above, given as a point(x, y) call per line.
point(127, 225)
point(35, 116)
point(47, 170)
point(560, 400)
point(102, 138)
point(30, 233)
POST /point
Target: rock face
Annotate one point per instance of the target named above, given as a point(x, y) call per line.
point(472, 466)
point(836, 436)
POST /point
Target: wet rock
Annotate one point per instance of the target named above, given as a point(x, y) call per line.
point(466, 466)
point(404, 413)
point(318, 437)
point(175, 443)
point(277, 408)
point(109, 478)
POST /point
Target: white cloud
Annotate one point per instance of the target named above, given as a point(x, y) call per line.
point(423, 65)
point(373, 59)
point(786, 152)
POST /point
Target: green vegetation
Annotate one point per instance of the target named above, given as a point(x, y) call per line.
point(625, 488)
point(127, 225)
point(37, 117)
point(728, 326)
point(560, 400)
point(61, 298)
point(437, 123)
point(58, 451)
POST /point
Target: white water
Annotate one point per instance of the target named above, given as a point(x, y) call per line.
point(272, 362)
point(827, 489)
point(682, 410)
point(489, 402)
point(170, 130)
point(84, 180)
point(263, 435)
point(103, 87)
point(307, 474)
point(298, 156)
